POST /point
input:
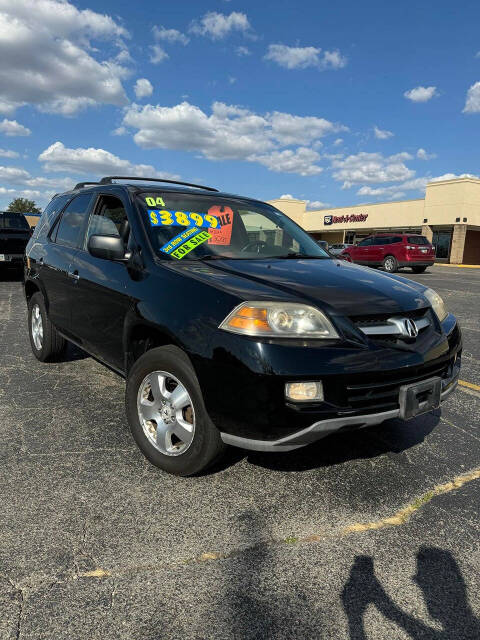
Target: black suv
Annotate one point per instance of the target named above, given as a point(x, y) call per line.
point(230, 324)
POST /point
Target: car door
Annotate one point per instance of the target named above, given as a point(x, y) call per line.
point(361, 253)
point(377, 250)
point(102, 286)
point(55, 265)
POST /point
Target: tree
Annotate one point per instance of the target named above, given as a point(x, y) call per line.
point(23, 205)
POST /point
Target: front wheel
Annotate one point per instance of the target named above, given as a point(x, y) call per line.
point(390, 264)
point(418, 269)
point(47, 344)
point(167, 415)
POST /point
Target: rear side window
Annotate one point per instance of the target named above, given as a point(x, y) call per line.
point(13, 221)
point(72, 223)
point(417, 240)
point(48, 217)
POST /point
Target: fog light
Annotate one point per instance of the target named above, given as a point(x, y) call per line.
point(304, 391)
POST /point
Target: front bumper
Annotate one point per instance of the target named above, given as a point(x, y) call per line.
point(323, 428)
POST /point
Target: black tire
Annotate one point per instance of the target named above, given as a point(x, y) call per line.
point(418, 269)
point(206, 446)
point(390, 264)
point(52, 344)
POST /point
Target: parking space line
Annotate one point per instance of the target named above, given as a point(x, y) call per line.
point(469, 385)
point(402, 516)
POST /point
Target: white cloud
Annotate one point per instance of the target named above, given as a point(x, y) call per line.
point(421, 94)
point(382, 134)
point(338, 142)
point(57, 157)
point(243, 51)
point(119, 131)
point(13, 128)
point(171, 36)
point(231, 80)
point(6, 153)
point(232, 132)
point(303, 57)
point(452, 176)
point(301, 161)
point(47, 56)
point(309, 204)
point(423, 155)
point(158, 54)
point(218, 25)
point(371, 168)
point(143, 88)
point(472, 103)
point(316, 204)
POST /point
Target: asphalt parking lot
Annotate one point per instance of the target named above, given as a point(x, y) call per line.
point(373, 534)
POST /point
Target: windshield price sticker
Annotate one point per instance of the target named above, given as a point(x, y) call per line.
point(191, 244)
point(177, 240)
point(155, 202)
point(223, 233)
point(167, 218)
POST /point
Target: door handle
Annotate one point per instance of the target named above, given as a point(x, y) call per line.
point(74, 275)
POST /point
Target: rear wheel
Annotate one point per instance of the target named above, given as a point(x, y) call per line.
point(390, 264)
point(47, 344)
point(167, 415)
point(418, 269)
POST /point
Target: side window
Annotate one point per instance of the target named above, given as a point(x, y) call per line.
point(109, 218)
point(72, 222)
point(384, 240)
point(365, 243)
point(396, 239)
point(48, 217)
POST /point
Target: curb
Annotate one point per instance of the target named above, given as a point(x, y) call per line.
point(460, 266)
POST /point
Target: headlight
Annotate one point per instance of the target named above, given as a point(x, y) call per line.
point(437, 303)
point(279, 319)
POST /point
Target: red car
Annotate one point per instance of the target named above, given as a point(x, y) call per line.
point(391, 251)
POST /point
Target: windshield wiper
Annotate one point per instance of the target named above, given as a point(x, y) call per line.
point(212, 256)
point(294, 254)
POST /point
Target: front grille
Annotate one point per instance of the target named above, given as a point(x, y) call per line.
point(382, 326)
point(381, 318)
point(379, 391)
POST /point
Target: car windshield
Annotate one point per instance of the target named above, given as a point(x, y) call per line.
point(13, 221)
point(197, 227)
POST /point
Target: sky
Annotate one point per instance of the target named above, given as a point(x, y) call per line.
point(334, 103)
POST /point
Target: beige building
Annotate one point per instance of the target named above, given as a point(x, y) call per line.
point(449, 216)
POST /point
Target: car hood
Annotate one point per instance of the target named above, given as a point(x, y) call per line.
point(341, 286)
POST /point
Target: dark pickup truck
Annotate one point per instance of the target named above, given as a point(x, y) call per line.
point(14, 235)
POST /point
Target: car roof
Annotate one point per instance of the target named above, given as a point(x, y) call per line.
point(138, 188)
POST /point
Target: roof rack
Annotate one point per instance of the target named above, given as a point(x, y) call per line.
point(109, 179)
point(80, 185)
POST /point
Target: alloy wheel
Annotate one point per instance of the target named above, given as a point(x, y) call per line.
point(37, 327)
point(166, 413)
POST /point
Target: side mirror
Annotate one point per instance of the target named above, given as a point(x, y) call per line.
point(107, 247)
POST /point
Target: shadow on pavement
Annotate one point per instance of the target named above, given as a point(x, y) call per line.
point(444, 591)
point(391, 436)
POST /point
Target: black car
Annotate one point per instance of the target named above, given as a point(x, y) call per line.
point(14, 236)
point(230, 324)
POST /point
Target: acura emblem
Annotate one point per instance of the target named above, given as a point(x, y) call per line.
point(410, 328)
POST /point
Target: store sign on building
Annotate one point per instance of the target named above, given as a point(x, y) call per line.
point(353, 217)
